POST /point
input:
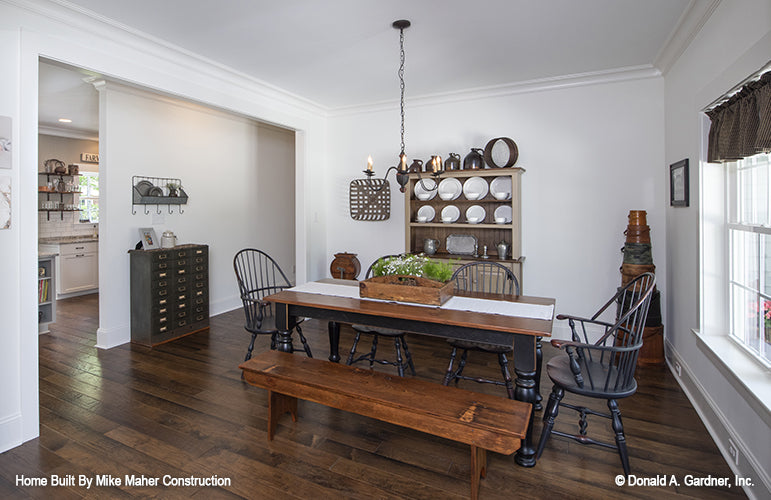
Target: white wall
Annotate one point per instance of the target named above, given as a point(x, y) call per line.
point(592, 152)
point(735, 42)
point(239, 177)
point(30, 29)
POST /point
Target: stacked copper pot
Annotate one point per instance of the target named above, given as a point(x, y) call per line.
point(638, 259)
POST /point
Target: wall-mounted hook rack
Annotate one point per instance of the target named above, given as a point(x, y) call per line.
point(157, 191)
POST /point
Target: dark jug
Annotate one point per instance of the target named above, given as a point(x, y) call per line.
point(429, 165)
point(474, 160)
point(452, 162)
point(417, 166)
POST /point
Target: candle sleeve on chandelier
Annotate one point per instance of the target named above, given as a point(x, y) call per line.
point(369, 163)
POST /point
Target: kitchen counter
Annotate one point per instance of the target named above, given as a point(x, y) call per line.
point(67, 239)
point(46, 255)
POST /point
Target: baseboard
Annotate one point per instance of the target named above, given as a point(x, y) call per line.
point(10, 432)
point(224, 305)
point(107, 338)
point(719, 427)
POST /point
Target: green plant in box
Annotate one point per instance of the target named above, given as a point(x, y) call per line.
point(413, 265)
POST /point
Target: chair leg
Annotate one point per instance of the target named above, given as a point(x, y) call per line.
point(399, 359)
point(448, 375)
point(251, 348)
point(506, 375)
point(461, 365)
point(618, 428)
point(273, 341)
point(305, 342)
point(549, 414)
point(353, 348)
point(408, 355)
point(373, 351)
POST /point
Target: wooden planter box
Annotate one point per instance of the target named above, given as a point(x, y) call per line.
point(407, 289)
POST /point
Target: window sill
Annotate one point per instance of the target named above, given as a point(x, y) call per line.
point(750, 377)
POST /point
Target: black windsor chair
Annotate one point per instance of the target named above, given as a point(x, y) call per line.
point(490, 277)
point(400, 343)
point(258, 276)
point(603, 369)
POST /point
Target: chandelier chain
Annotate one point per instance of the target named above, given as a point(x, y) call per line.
point(401, 84)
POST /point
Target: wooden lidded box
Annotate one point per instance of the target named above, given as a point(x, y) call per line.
point(407, 289)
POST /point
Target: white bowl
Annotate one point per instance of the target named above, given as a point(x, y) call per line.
point(447, 220)
point(473, 195)
point(424, 195)
point(501, 196)
point(500, 220)
point(446, 196)
point(422, 218)
point(473, 220)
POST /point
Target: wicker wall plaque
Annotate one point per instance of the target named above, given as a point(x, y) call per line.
point(370, 199)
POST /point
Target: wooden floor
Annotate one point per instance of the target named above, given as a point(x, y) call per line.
point(182, 410)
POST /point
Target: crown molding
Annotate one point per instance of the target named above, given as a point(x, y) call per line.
point(688, 26)
point(77, 17)
point(523, 87)
point(70, 133)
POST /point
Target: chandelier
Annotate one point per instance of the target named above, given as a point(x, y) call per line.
point(402, 171)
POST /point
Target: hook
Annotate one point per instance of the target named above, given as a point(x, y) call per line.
point(180, 210)
point(147, 212)
point(158, 209)
point(133, 210)
point(169, 207)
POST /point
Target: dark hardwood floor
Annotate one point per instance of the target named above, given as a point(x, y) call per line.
point(181, 410)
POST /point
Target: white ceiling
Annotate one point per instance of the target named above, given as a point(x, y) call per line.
point(340, 53)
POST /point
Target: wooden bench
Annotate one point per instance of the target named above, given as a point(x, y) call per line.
point(482, 421)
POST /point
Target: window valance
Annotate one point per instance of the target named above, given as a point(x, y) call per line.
point(741, 126)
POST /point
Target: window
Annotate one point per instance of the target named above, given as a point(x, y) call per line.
point(89, 197)
point(749, 241)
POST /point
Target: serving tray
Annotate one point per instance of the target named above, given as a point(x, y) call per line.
point(461, 244)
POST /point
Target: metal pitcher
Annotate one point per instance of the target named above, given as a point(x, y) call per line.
point(430, 246)
point(503, 250)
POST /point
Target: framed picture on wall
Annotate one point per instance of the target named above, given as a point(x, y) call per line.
point(678, 184)
point(148, 238)
point(5, 142)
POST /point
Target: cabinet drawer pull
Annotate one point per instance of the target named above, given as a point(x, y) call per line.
point(162, 275)
point(182, 323)
point(162, 283)
point(199, 252)
point(162, 292)
point(200, 317)
point(162, 311)
point(181, 297)
point(79, 248)
point(182, 280)
point(199, 268)
point(181, 306)
point(162, 265)
point(181, 271)
point(162, 319)
point(162, 302)
point(181, 314)
point(162, 256)
point(200, 285)
point(162, 329)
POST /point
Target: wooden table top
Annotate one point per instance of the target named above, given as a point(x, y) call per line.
point(431, 314)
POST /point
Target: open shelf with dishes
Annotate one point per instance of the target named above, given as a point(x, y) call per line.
point(147, 190)
point(467, 211)
point(57, 186)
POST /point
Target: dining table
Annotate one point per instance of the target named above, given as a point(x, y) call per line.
point(515, 321)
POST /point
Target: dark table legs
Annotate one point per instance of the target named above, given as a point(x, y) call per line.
point(525, 391)
point(334, 341)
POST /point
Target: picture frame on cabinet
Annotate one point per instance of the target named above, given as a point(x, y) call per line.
point(148, 238)
point(678, 184)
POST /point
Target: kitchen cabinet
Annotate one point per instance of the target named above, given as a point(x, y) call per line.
point(169, 293)
point(77, 266)
point(486, 231)
point(45, 292)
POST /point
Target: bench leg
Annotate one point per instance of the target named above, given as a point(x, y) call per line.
point(278, 404)
point(478, 469)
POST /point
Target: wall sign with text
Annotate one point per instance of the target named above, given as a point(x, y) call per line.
point(89, 157)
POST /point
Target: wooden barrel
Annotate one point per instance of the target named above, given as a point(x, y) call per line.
point(652, 350)
point(637, 218)
point(631, 271)
point(638, 234)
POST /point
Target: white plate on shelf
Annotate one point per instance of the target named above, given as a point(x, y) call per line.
point(504, 211)
point(425, 189)
point(450, 214)
point(450, 189)
point(475, 188)
point(426, 211)
point(500, 188)
point(475, 214)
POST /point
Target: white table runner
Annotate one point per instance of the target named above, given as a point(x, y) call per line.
point(503, 307)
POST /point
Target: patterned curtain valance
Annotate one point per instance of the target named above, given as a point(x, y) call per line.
point(741, 126)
